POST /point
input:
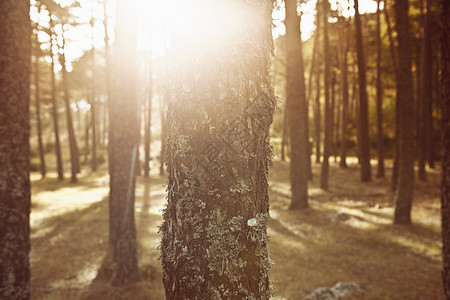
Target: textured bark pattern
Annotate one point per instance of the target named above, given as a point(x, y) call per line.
point(405, 186)
point(363, 115)
point(445, 106)
point(214, 243)
point(327, 114)
point(124, 138)
point(296, 108)
point(15, 49)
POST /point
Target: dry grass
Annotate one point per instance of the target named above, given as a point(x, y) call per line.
point(70, 258)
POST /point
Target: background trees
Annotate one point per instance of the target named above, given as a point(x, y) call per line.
point(15, 47)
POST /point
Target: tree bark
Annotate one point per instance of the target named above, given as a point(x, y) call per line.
point(445, 110)
point(327, 116)
point(296, 108)
point(379, 104)
point(405, 186)
point(214, 243)
point(123, 149)
point(15, 32)
point(363, 102)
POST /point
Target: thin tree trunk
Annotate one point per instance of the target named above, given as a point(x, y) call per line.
point(332, 111)
point(55, 111)
point(404, 193)
point(363, 102)
point(379, 87)
point(327, 115)
point(426, 95)
point(93, 103)
point(38, 108)
point(123, 148)
point(88, 121)
point(296, 109)
point(148, 120)
point(343, 40)
point(74, 156)
point(317, 112)
point(284, 137)
point(445, 110)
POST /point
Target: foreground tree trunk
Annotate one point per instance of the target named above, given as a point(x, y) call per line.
point(445, 106)
point(214, 243)
point(14, 149)
point(296, 108)
point(363, 114)
point(405, 186)
point(327, 114)
point(123, 149)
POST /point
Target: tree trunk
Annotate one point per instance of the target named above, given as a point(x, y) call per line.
point(445, 110)
point(93, 104)
point(74, 155)
point(284, 137)
point(379, 87)
point(426, 95)
point(214, 243)
point(123, 149)
point(363, 105)
point(148, 120)
point(317, 113)
point(405, 186)
point(55, 111)
point(343, 40)
point(38, 108)
point(15, 47)
point(296, 108)
point(332, 111)
point(327, 115)
point(310, 80)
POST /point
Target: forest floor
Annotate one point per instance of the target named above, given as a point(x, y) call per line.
point(345, 235)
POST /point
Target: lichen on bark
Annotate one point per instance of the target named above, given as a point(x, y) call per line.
point(217, 159)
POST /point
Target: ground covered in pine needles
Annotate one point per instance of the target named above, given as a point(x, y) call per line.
point(345, 235)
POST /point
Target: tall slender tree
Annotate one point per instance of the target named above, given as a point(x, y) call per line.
point(317, 112)
point(405, 186)
point(55, 116)
point(343, 49)
point(37, 100)
point(327, 115)
point(93, 100)
point(15, 32)
point(296, 108)
point(123, 148)
point(426, 92)
point(363, 115)
point(445, 110)
point(379, 87)
point(214, 243)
